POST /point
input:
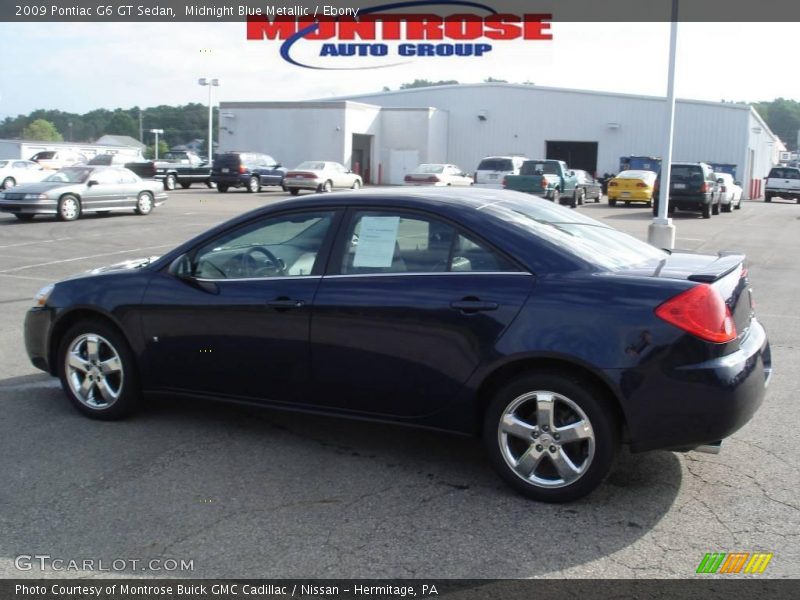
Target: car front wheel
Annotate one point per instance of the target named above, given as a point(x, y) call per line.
point(97, 371)
point(170, 182)
point(551, 436)
point(8, 183)
point(69, 208)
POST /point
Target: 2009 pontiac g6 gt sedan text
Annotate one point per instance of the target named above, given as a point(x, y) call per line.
point(549, 334)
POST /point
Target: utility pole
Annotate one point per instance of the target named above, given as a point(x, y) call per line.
point(661, 232)
point(157, 132)
point(141, 128)
point(211, 83)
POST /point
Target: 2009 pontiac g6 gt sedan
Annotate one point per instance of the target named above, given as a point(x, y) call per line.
point(552, 336)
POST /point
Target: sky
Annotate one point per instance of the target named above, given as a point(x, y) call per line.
point(78, 67)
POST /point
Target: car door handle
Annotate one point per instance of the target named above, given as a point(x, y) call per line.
point(472, 305)
point(285, 303)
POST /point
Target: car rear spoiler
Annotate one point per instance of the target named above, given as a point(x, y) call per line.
point(727, 262)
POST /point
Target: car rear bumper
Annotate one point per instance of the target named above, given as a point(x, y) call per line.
point(631, 197)
point(697, 404)
point(232, 180)
point(302, 184)
point(38, 324)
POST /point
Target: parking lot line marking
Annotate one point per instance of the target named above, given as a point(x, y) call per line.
point(66, 260)
point(26, 277)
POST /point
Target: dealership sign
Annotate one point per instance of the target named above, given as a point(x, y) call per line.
point(378, 37)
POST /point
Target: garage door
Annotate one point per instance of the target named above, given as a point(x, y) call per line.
point(402, 162)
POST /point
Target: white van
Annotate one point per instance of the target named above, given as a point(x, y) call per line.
point(492, 169)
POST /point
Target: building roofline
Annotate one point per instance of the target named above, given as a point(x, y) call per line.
point(20, 141)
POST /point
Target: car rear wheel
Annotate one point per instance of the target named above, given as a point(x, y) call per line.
point(97, 371)
point(727, 207)
point(69, 208)
point(253, 185)
point(612, 202)
point(767, 198)
point(551, 436)
point(170, 182)
point(144, 203)
point(186, 185)
point(715, 208)
point(222, 188)
point(326, 187)
point(356, 184)
point(8, 183)
point(555, 196)
point(706, 211)
point(294, 191)
point(210, 185)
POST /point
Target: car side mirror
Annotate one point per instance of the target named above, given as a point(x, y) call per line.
point(278, 165)
point(720, 180)
point(92, 182)
point(571, 173)
point(739, 183)
point(181, 268)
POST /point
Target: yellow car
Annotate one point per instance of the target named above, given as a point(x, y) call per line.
point(632, 186)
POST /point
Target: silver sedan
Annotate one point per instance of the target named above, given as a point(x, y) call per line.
point(72, 191)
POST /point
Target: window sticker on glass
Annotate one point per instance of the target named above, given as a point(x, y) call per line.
point(377, 239)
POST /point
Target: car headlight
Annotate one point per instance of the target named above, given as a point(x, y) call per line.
point(35, 196)
point(40, 299)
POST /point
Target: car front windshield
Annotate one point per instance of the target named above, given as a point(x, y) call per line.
point(70, 175)
point(3, 163)
point(430, 168)
point(586, 238)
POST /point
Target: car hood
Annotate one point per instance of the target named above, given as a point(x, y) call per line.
point(41, 187)
point(133, 263)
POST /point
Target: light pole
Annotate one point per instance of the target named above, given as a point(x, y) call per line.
point(211, 83)
point(157, 132)
point(661, 232)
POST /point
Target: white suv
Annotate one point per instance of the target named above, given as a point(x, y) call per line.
point(492, 169)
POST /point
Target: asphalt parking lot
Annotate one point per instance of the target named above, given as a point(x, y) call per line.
point(246, 492)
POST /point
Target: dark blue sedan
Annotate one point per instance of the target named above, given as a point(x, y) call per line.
point(549, 334)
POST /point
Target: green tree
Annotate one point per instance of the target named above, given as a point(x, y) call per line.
point(163, 147)
point(41, 130)
point(121, 123)
point(420, 83)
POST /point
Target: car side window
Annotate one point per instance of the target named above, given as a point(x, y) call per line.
point(385, 242)
point(105, 176)
point(281, 246)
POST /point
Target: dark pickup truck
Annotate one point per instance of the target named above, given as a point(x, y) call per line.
point(146, 169)
point(549, 178)
point(182, 168)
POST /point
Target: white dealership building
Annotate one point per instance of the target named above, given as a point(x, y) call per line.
point(384, 135)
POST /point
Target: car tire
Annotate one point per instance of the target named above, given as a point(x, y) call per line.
point(612, 202)
point(715, 208)
point(598, 198)
point(706, 211)
point(520, 416)
point(582, 197)
point(650, 203)
point(186, 185)
point(23, 217)
point(294, 191)
point(253, 185)
point(69, 208)
point(726, 208)
point(210, 185)
point(356, 184)
point(627, 202)
point(555, 196)
point(144, 203)
point(738, 205)
point(222, 188)
point(574, 201)
point(170, 182)
point(327, 187)
point(767, 198)
point(97, 370)
point(8, 183)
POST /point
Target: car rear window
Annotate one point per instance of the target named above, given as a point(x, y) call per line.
point(582, 236)
point(496, 164)
point(785, 173)
point(533, 167)
point(686, 172)
point(227, 160)
point(44, 156)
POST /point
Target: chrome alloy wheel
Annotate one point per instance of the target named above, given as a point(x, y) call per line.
point(94, 371)
point(546, 439)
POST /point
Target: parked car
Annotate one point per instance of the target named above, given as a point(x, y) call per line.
point(70, 192)
point(439, 175)
point(14, 171)
point(552, 179)
point(57, 159)
point(632, 186)
point(248, 170)
point(694, 187)
point(782, 182)
point(730, 192)
point(492, 169)
point(588, 187)
point(550, 334)
point(179, 167)
point(146, 169)
point(320, 176)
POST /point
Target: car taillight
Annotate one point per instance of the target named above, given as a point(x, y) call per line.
point(640, 184)
point(505, 181)
point(407, 178)
point(543, 183)
point(432, 179)
point(242, 169)
point(702, 312)
point(704, 187)
point(723, 189)
point(612, 184)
